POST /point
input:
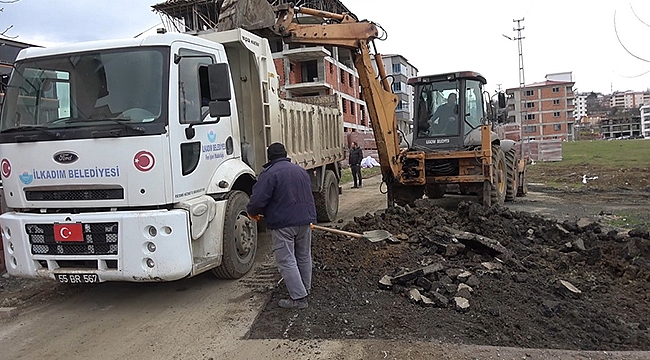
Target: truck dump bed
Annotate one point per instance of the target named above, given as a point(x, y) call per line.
point(311, 132)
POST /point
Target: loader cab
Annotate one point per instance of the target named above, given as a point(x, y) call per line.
point(447, 108)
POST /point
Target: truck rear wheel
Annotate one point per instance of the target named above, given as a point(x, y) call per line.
point(512, 175)
point(239, 239)
point(327, 201)
point(494, 192)
point(435, 191)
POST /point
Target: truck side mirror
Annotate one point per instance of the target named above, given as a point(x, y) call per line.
point(502, 101)
point(219, 78)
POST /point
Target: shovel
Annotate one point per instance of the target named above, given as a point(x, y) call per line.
point(372, 236)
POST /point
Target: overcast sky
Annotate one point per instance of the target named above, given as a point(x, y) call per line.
point(435, 36)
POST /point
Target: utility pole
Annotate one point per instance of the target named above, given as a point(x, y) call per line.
point(522, 79)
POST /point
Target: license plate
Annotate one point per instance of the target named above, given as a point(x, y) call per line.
point(77, 278)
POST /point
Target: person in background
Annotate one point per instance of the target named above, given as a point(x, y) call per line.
point(356, 155)
point(282, 194)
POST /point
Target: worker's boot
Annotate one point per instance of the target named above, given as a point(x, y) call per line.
point(293, 304)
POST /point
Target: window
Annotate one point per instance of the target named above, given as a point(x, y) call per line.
point(473, 106)
point(436, 109)
point(556, 89)
point(530, 105)
point(530, 129)
point(556, 114)
point(530, 116)
point(397, 68)
point(397, 86)
point(556, 102)
point(351, 80)
point(345, 107)
point(331, 68)
point(557, 127)
point(399, 105)
point(193, 86)
point(362, 114)
point(342, 76)
point(569, 89)
point(352, 106)
point(530, 92)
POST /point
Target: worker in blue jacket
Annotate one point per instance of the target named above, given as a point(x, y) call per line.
point(283, 196)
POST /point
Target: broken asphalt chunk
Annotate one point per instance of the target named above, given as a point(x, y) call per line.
point(412, 275)
point(479, 242)
point(385, 283)
point(461, 304)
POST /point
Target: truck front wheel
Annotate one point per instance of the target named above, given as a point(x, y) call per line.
point(239, 239)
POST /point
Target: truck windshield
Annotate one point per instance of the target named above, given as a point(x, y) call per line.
point(75, 96)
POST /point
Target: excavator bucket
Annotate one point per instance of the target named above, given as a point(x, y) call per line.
point(200, 15)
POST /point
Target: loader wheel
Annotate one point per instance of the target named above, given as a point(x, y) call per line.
point(435, 191)
point(512, 175)
point(239, 239)
point(406, 195)
point(327, 201)
point(494, 192)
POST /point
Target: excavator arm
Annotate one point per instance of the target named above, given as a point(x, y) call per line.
point(344, 31)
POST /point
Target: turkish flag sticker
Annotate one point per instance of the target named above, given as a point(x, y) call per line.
point(68, 232)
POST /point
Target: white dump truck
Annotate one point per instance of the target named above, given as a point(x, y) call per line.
point(134, 160)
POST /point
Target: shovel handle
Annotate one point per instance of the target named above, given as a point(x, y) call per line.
point(336, 231)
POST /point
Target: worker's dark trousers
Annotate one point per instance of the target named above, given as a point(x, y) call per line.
point(356, 174)
point(292, 249)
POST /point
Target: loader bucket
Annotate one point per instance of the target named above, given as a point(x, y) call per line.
point(251, 15)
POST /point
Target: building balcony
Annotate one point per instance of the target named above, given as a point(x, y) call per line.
point(304, 88)
point(306, 53)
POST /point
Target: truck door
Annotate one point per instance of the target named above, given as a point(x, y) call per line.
point(199, 143)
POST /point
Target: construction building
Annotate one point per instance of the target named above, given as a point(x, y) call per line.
point(625, 125)
point(545, 109)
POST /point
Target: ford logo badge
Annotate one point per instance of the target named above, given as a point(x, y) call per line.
point(65, 157)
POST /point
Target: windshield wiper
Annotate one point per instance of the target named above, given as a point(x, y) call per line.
point(122, 122)
point(39, 128)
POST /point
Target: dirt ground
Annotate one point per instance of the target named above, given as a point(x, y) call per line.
point(517, 296)
point(518, 308)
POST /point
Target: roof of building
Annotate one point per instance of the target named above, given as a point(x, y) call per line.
point(542, 84)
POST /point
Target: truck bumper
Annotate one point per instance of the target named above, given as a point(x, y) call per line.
point(139, 246)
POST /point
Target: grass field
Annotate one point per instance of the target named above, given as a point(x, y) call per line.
point(346, 174)
point(615, 153)
point(617, 164)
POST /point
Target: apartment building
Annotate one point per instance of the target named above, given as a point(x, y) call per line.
point(629, 99)
point(545, 110)
point(580, 106)
point(399, 70)
point(645, 121)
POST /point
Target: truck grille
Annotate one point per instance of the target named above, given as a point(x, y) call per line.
point(99, 239)
point(73, 195)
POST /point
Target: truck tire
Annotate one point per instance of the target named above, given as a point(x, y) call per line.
point(494, 192)
point(512, 175)
point(435, 191)
point(239, 239)
point(327, 201)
